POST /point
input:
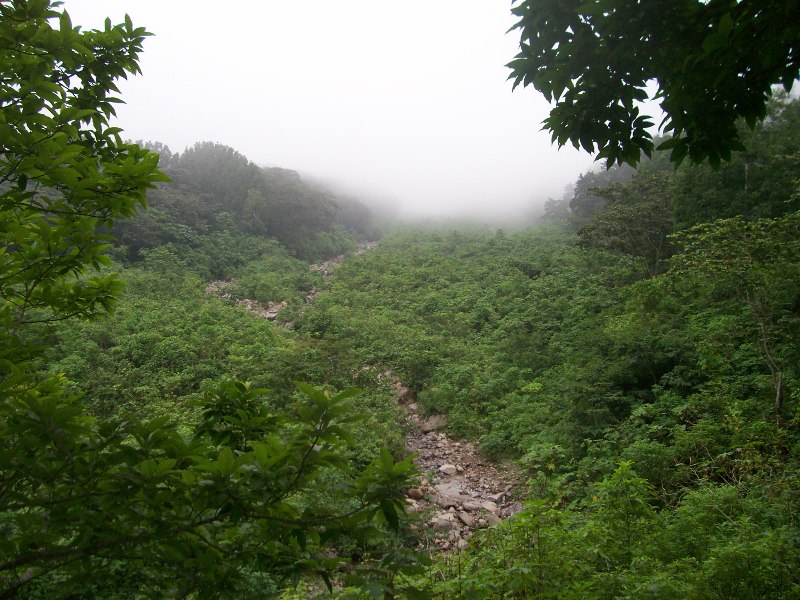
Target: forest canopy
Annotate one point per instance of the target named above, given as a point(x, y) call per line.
point(713, 62)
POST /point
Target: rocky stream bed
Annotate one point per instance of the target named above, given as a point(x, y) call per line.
point(460, 489)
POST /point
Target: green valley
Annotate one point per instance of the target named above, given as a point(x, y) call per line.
point(195, 404)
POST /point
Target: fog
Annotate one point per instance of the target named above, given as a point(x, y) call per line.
point(405, 102)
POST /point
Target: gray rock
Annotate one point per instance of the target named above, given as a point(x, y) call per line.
point(444, 520)
point(433, 423)
point(492, 519)
point(467, 519)
point(415, 493)
point(450, 470)
point(405, 395)
point(445, 501)
point(442, 524)
point(450, 488)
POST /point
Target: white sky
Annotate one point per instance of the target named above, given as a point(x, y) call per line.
point(404, 100)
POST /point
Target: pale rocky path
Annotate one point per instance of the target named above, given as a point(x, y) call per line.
point(269, 310)
point(460, 489)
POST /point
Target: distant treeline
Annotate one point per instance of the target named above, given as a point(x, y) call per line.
point(760, 181)
point(215, 189)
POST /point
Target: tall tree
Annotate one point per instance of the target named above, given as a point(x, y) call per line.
point(64, 171)
point(585, 200)
point(759, 182)
point(753, 266)
point(636, 220)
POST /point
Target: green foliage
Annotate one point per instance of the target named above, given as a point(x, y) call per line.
point(714, 545)
point(446, 311)
point(636, 220)
point(124, 507)
point(534, 556)
point(166, 339)
point(653, 401)
point(177, 510)
point(220, 208)
point(758, 182)
point(65, 173)
point(355, 216)
point(276, 277)
point(714, 63)
point(547, 552)
point(566, 358)
point(751, 267)
point(220, 172)
point(623, 516)
point(585, 200)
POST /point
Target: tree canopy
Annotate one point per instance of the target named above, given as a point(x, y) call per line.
point(214, 189)
point(65, 172)
point(713, 61)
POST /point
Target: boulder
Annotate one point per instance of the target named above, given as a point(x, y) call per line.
point(415, 493)
point(442, 524)
point(450, 470)
point(405, 395)
point(433, 423)
point(444, 520)
point(450, 488)
point(467, 519)
point(492, 519)
point(448, 495)
point(445, 501)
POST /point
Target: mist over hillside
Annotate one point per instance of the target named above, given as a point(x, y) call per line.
point(368, 342)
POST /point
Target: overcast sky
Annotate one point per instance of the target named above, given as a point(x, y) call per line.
point(404, 100)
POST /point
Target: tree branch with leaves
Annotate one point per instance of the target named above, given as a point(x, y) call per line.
point(710, 62)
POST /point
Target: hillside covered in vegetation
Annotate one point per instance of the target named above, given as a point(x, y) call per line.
point(633, 359)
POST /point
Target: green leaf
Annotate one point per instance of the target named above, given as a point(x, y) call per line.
point(65, 23)
point(390, 514)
